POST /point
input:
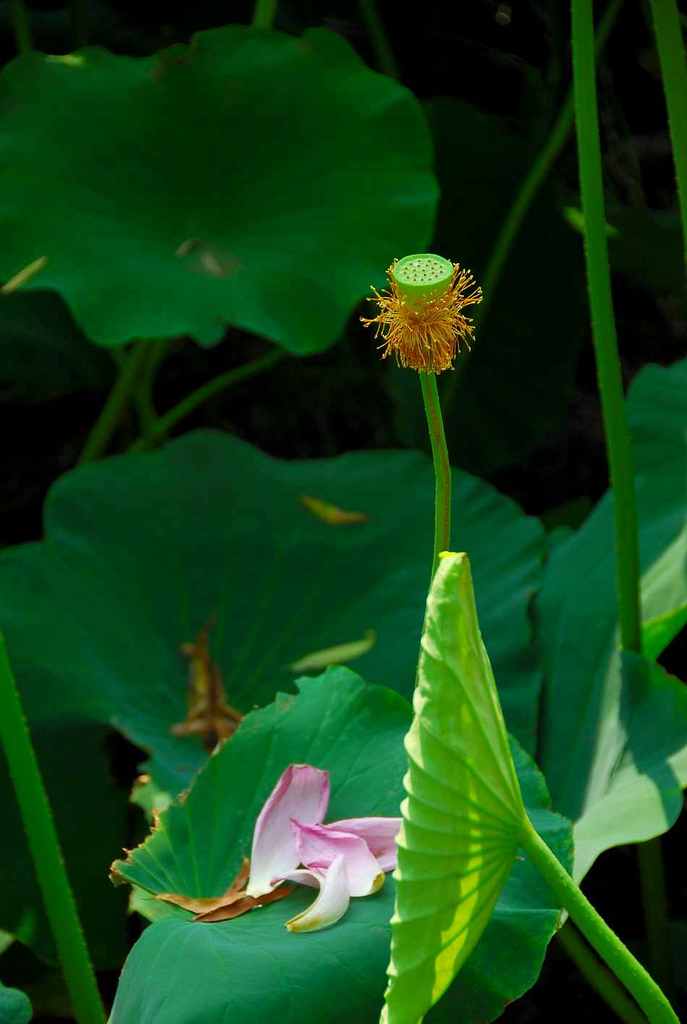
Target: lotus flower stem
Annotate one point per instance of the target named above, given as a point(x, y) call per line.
point(44, 844)
point(442, 467)
point(618, 442)
point(386, 60)
point(604, 940)
point(671, 52)
point(158, 430)
point(79, 19)
point(422, 323)
point(22, 27)
point(122, 390)
point(264, 13)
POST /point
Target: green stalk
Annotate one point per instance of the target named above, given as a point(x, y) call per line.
point(671, 52)
point(442, 467)
point(145, 405)
point(44, 844)
point(159, 430)
point(655, 903)
point(22, 26)
point(624, 965)
point(379, 39)
point(597, 976)
point(618, 444)
point(121, 392)
point(78, 16)
point(525, 196)
point(264, 13)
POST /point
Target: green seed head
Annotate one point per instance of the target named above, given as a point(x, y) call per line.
point(421, 277)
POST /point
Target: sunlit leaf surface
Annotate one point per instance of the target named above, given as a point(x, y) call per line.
point(463, 813)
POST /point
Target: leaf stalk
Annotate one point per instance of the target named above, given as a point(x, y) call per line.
point(618, 442)
point(624, 965)
point(442, 467)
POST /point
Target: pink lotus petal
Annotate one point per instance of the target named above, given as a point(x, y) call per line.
point(379, 834)
point(331, 903)
point(304, 876)
point(319, 846)
point(302, 792)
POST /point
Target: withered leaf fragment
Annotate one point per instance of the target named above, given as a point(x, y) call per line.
point(243, 905)
point(209, 715)
point(232, 904)
point(331, 514)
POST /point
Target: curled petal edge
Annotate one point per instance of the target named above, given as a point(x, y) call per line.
point(332, 900)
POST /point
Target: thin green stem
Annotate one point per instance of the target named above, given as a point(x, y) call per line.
point(165, 423)
point(524, 197)
point(612, 951)
point(618, 443)
point(121, 392)
point(655, 903)
point(44, 844)
point(264, 13)
point(79, 18)
point(374, 25)
point(22, 26)
point(145, 405)
point(671, 53)
point(597, 975)
point(442, 466)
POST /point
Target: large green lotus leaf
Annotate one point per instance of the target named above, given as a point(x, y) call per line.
point(15, 1007)
point(599, 753)
point(463, 815)
point(141, 551)
point(251, 969)
point(250, 178)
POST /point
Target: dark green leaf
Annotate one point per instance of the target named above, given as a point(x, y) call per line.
point(206, 185)
point(42, 352)
point(142, 551)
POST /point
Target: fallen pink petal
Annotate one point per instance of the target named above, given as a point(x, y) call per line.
point(319, 847)
point(303, 792)
point(343, 859)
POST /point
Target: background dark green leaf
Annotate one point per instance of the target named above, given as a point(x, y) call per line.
point(251, 178)
point(142, 550)
point(43, 354)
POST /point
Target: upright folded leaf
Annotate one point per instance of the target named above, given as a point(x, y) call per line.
point(463, 814)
